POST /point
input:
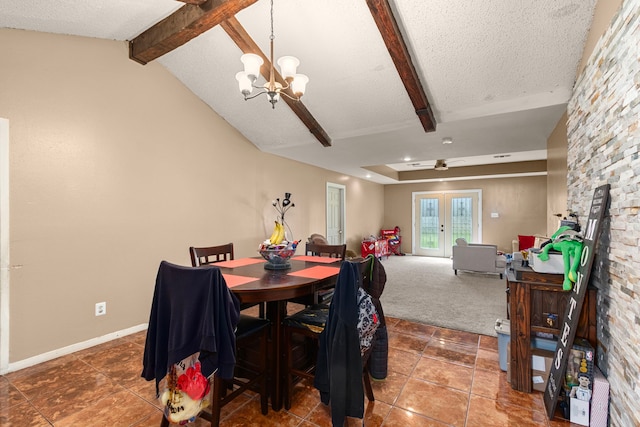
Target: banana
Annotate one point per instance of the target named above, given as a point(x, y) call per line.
point(280, 235)
point(274, 235)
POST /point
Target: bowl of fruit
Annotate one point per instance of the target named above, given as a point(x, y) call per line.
point(277, 250)
point(278, 256)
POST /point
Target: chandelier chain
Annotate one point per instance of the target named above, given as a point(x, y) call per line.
point(272, 36)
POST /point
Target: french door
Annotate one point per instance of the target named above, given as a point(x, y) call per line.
point(439, 218)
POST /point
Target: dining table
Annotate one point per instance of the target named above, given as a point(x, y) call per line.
point(251, 282)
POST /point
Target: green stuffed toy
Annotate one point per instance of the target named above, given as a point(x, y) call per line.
point(569, 243)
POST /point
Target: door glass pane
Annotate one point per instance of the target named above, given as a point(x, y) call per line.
point(461, 218)
point(429, 224)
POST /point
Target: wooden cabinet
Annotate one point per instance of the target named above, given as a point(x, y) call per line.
point(537, 303)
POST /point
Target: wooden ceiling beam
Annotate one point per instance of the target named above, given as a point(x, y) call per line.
point(388, 27)
point(241, 38)
point(186, 23)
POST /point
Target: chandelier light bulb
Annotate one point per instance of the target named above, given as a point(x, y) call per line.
point(273, 98)
point(244, 83)
point(299, 84)
point(288, 66)
point(252, 64)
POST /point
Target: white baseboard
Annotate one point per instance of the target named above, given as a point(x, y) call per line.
point(50, 355)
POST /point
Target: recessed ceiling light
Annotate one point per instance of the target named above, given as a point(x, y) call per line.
point(447, 140)
point(407, 158)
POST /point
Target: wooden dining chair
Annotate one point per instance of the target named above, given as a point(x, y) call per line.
point(194, 307)
point(309, 324)
point(212, 254)
point(322, 296)
point(332, 251)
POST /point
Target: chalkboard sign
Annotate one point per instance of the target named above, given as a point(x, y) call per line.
point(574, 306)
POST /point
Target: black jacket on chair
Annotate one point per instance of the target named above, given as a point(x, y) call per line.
point(375, 278)
point(338, 374)
point(192, 311)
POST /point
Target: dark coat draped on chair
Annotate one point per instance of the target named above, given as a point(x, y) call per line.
point(339, 366)
point(192, 311)
point(374, 280)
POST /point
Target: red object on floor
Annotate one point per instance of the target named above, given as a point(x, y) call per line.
point(378, 248)
point(394, 240)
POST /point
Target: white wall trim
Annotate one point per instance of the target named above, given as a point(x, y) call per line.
point(4, 245)
point(50, 355)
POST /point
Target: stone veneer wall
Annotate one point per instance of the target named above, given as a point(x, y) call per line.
point(604, 138)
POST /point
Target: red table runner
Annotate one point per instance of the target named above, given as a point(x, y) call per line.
point(317, 272)
point(318, 259)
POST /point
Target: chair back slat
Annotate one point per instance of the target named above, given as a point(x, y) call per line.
point(210, 254)
point(332, 251)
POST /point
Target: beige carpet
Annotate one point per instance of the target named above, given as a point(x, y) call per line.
point(425, 289)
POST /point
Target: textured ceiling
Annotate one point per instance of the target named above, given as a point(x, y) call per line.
point(498, 73)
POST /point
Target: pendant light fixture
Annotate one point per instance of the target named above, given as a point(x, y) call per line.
point(288, 65)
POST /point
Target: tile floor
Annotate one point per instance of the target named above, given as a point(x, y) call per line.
point(437, 377)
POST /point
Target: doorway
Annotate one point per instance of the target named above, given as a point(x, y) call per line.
point(439, 218)
point(335, 213)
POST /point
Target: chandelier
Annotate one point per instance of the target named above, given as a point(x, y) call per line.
point(288, 64)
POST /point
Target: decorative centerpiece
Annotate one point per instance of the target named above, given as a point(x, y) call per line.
point(277, 250)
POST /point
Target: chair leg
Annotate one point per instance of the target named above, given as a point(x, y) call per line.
point(216, 399)
point(264, 398)
point(289, 385)
point(165, 421)
point(367, 383)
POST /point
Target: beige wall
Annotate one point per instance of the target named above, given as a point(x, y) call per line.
point(557, 175)
point(557, 142)
point(116, 166)
point(520, 202)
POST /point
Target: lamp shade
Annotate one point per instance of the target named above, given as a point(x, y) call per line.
point(299, 84)
point(252, 64)
point(244, 83)
point(288, 66)
point(273, 97)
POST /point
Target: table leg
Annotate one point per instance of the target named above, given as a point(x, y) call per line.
point(276, 312)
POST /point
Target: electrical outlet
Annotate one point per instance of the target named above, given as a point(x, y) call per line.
point(101, 308)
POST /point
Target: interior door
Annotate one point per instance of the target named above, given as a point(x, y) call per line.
point(335, 213)
point(440, 218)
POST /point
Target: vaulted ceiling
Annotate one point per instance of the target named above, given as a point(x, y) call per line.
point(389, 79)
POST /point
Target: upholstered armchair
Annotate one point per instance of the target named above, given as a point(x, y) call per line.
point(476, 257)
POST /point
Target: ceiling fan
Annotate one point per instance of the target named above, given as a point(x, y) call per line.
point(441, 165)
